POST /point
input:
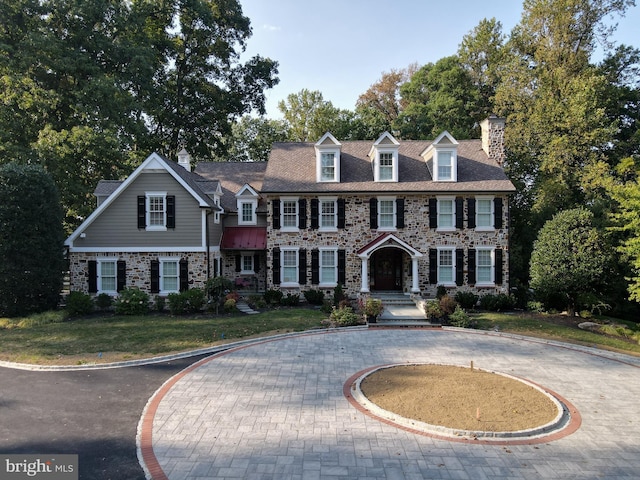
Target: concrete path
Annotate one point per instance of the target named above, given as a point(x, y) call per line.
point(276, 410)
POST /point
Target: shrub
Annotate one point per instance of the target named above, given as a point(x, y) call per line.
point(132, 301)
point(195, 299)
point(441, 291)
point(338, 295)
point(371, 307)
point(466, 299)
point(232, 296)
point(459, 318)
point(447, 304)
point(291, 300)
point(104, 301)
point(79, 303)
point(273, 297)
point(230, 305)
point(497, 303)
point(217, 288)
point(177, 303)
point(344, 317)
point(314, 297)
point(36, 319)
point(257, 301)
point(432, 310)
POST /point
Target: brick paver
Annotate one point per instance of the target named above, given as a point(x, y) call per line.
point(276, 410)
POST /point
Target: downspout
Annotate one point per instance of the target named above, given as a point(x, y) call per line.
point(208, 242)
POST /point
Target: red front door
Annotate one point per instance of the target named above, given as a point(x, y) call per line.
point(387, 269)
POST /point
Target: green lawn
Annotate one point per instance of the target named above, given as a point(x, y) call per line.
point(49, 339)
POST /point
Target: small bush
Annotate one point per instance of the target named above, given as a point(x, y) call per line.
point(291, 300)
point(232, 296)
point(441, 291)
point(132, 301)
point(535, 306)
point(497, 303)
point(344, 317)
point(447, 304)
point(36, 319)
point(230, 305)
point(466, 299)
point(314, 297)
point(104, 301)
point(177, 303)
point(160, 303)
point(459, 318)
point(79, 303)
point(273, 297)
point(432, 310)
point(338, 295)
point(257, 301)
point(196, 299)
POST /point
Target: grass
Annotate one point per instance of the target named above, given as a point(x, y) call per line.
point(50, 338)
point(112, 338)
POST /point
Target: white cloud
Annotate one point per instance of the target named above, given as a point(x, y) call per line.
point(271, 28)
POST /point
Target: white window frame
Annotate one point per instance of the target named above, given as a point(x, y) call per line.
point(452, 282)
point(243, 265)
point(394, 164)
point(101, 276)
point(325, 154)
point(492, 267)
point(322, 267)
point(446, 228)
point(253, 205)
point(289, 228)
point(163, 261)
point(492, 216)
point(283, 254)
point(453, 155)
point(216, 215)
point(330, 201)
point(148, 197)
point(394, 222)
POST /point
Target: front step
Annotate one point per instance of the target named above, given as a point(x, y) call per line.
point(399, 307)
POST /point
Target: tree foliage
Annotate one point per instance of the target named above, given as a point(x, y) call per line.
point(569, 259)
point(251, 138)
point(31, 240)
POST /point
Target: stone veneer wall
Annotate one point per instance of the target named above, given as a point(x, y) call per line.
point(138, 268)
point(257, 281)
point(416, 233)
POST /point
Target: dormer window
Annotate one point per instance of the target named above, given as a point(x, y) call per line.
point(328, 159)
point(247, 204)
point(384, 156)
point(442, 157)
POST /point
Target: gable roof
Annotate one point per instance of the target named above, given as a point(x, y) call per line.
point(197, 187)
point(292, 168)
point(233, 176)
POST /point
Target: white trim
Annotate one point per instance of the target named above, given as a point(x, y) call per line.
point(253, 202)
point(99, 262)
point(140, 249)
point(283, 227)
point(282, 282)
point(491, 227)
point(244, 255)
point(147, 200)
point(334, 250)
point(390, 240)
point(163, 260)
point(452, 282)
point(451, 228)
point(492, 282)
point(333, 200)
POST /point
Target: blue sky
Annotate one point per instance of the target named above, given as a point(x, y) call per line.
point(341, 47)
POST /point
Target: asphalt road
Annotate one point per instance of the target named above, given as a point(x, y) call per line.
point(92, 413)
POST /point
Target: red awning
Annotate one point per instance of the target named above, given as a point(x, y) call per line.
point(244, 238)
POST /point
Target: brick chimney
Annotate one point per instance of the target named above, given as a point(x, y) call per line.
point(493, 138)
point(184, 159)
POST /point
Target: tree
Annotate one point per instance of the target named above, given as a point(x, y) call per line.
point(252, 137)
point(308, 115)
point(31, 240)
point(569, 259)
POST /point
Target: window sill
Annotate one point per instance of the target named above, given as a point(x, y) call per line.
point(289, 285)
point(156, 229)
point(387, 229)
point(446, 229)
point(290, 230)
point(247, 272)
point(485, 285)
point(328, 229)
point(485, 229)
point(327, 285)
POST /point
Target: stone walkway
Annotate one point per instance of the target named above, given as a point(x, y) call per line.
point(276, 410)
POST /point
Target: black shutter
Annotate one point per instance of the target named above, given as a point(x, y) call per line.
point(342, 267)
point(171, 211)
point(472, 266)
point(121, 280)
point(433, 213)
point(341, 213)
point(373, 213)
point(433, 266)
point(276, 266)
point(459, 212)
point(184, 275)
point(497, 212)
point(256, 262)
point(93, 276)
point(302, 214)
point(498, 269)
point(315, 266)
point(238, 263)
point(471, 213)
point(314, 213)
point(302, 266)
point(142, 211)
point(399, 212)
point(155, 276)
point(276, 213)
point(459, 267)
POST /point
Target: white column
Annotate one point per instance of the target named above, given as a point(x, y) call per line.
point(364, 276)
point(414, 271)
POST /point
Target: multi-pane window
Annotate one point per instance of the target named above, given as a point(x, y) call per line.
point(247, 214)
point(289, 266)
point(247, 264)
point(107, 276)
point(444, 165)
point(386, 214)
point(328, 214)
point(484, 266)
point(327, 167)
point(386, 166)
point(169, 276)
point(446, 266)
point(290, 214)
point(484, 213)
point(156, 210)
point(328, 267)
point(446, 213)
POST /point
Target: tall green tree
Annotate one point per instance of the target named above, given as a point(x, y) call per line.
point(308, 115)
point(31, 240)
point(252, 137)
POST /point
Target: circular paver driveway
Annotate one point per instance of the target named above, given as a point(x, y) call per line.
point(276, 409)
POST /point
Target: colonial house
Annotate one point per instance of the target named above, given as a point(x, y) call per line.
point(371, 216)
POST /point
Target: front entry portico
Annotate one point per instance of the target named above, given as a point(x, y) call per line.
point(384, 255)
